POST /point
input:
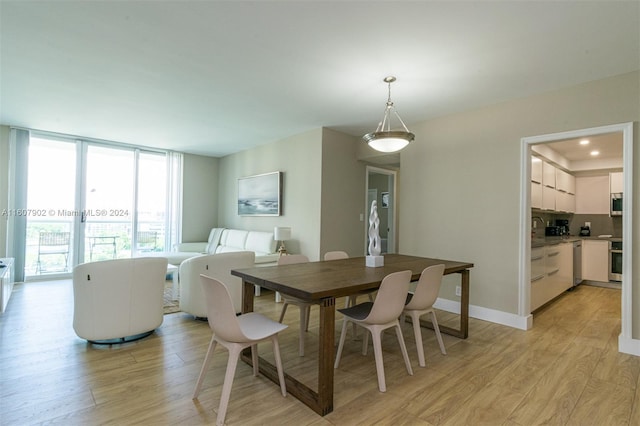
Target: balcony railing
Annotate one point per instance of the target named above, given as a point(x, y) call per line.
point(103, 240)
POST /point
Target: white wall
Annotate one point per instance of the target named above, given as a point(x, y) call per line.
point(343, 195)
point(460, 186)
point(199, 197)
point(299, 158)
point(592, 195)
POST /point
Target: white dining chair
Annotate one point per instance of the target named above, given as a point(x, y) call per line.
point(304, 306)
point(235, 333)
point(352, 298)
point(378, 316)
point(421, 303)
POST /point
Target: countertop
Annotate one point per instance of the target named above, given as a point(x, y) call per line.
point(550, 241)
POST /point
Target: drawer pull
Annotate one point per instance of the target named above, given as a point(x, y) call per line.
point(538, 278)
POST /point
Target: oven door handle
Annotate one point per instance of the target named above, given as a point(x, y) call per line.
point(615, 251)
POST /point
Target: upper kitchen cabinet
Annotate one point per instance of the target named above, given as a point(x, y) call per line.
point(566, 189)
point(548, 175)
point(565, 182)
point(536, 170)
point(616, 182)
point(536, 183)
point(551, 188)
point(548, 186)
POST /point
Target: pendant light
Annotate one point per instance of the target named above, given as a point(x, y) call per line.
point(384, 139)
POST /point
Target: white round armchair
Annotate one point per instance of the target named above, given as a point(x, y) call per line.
point(118, 300)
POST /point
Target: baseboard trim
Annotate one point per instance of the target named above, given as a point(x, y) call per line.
point(486, 314)
point(628, 346)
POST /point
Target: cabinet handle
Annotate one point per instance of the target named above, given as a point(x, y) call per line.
point(538, 278)
point(537, 258)
point(555, 271)
point(553, 254)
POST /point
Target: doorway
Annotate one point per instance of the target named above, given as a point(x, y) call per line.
point(625, 343)
point(381, 186)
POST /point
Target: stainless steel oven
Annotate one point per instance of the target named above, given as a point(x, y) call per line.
point(616, 204)
point(615, 260)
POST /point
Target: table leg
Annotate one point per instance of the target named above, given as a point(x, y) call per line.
point(463, 331)
point(321, 401)
point(326, 355)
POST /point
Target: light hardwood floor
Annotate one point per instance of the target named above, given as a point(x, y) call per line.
point(565, 371)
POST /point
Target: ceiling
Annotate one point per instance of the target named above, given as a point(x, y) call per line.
point(218, 77)
point(608, 145)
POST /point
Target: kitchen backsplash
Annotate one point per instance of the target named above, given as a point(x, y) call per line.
point(601, 224)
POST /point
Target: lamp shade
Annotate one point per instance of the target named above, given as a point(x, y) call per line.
point(388, 141)
point(282, 233)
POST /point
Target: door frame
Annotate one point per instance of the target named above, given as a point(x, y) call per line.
point(392, 240)
point(626, 343)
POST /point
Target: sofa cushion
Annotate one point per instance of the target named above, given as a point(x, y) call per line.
point(262, 243)
point(232, 240)
point(214, 240)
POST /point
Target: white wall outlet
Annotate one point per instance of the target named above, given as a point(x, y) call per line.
point(361, 217)
point(458, 290)
point(535, 224)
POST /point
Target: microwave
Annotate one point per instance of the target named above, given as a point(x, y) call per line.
point(616, 204)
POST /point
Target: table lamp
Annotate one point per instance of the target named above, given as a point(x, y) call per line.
point(282, 233)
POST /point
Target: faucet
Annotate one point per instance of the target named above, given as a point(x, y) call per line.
point(533, 219)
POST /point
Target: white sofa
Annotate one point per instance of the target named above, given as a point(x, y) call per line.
point(217, 266)
point(223, 240)
point(118, 300)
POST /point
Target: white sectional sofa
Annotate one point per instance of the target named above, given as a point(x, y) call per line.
point(223, 240)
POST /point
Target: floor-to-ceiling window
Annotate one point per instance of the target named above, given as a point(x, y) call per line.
point(90, 201)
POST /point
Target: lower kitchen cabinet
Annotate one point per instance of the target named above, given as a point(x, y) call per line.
point(551, 272)
point(595, 260)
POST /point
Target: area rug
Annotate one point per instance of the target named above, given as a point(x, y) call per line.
point(171, 305)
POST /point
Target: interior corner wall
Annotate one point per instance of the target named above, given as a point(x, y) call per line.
point(4, 186)
point(299, 158)
point(461, 182)
point(343, 195)
point(199, 197)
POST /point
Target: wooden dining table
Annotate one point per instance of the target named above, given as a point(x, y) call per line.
point(324, 281)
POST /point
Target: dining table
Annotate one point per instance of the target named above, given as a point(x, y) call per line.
point(322, 282)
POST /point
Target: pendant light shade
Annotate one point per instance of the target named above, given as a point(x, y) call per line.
point(384, 139)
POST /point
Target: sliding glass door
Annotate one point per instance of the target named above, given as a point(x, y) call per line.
point(51, 207)
point(88, 202)
point(107, 217)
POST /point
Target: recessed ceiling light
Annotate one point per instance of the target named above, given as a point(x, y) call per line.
point(594, 153)
point(584, 142)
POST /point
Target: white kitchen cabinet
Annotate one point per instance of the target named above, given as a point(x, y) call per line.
point(565, 182)
point(536, 195)
point(536, 170)
point(548, 198)
point(551, 272)
point(548, 175)
point(595, 260)
point(616, 182)
point(565, 202)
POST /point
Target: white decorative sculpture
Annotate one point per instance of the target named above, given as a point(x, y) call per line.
point(374, 259)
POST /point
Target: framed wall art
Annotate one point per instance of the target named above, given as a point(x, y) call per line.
point(260, 195)
point(385, 200)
